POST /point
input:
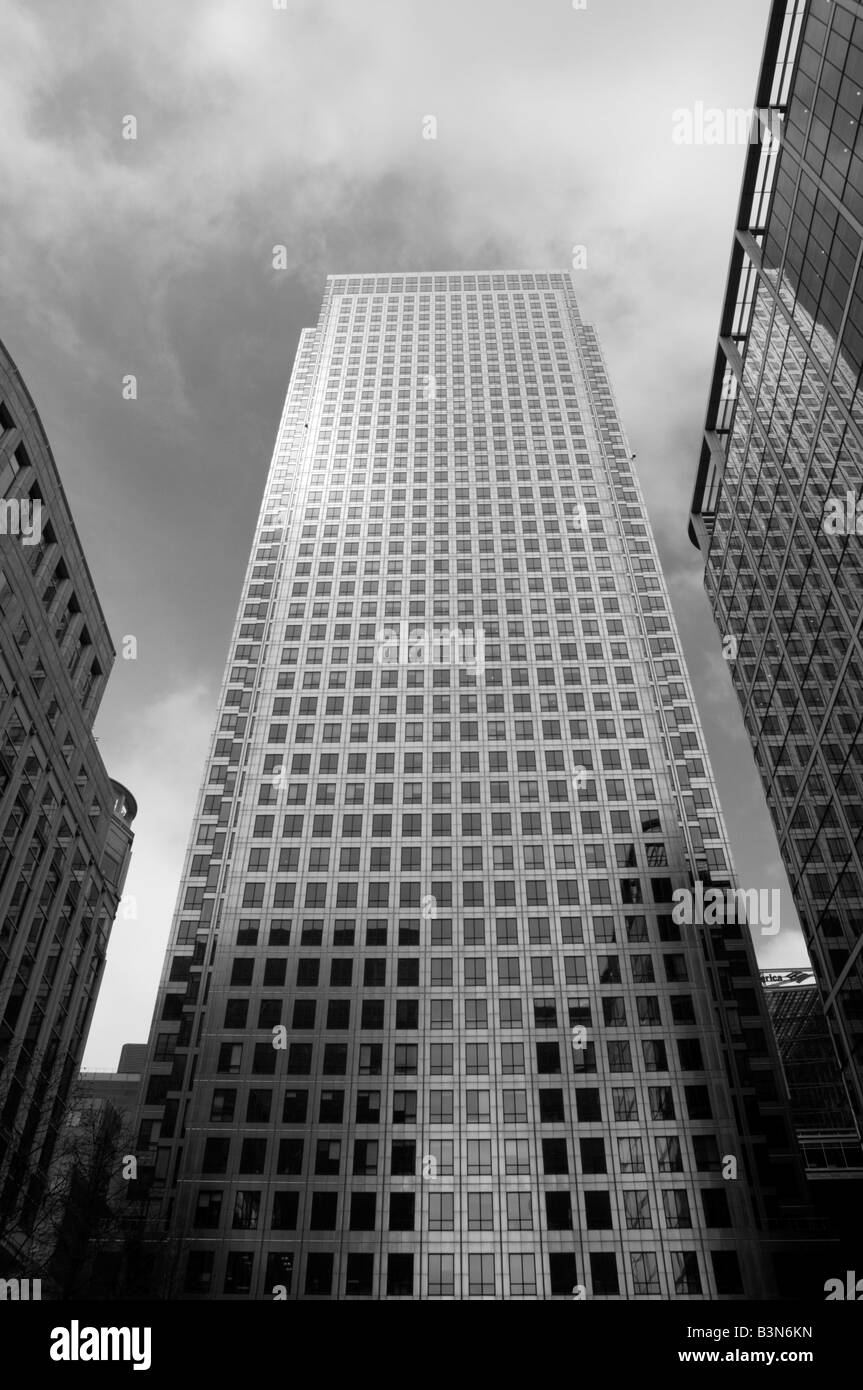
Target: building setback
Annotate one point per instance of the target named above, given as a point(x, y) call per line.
point(426, 1026)
point(120, 1089)
point(65, 826)
point(779, 478)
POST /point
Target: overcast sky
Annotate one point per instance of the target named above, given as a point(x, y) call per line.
point(303, 126)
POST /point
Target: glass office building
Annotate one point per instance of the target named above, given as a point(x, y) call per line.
point(774, 510)
point(427, 1027)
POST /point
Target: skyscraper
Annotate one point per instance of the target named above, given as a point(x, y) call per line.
point(427, 1025)
point(776, 495)
point(65, 826)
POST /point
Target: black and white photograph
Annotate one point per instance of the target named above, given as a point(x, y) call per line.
point(431, 677)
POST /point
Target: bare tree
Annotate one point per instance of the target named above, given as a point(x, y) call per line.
point(33, 1109)
point(71, 1213)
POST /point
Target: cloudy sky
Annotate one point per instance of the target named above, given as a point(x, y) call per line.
point(302, 126)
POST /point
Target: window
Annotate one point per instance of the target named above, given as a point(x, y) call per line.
point(558, 1211)
point(715, 1204)
point(654, 1054)
point(587, 1104)
point(625, 1103)
point(630, 1154)
point(562, 1273)
point(669, 1158)
point(698, 1103)
point(689, 1053)
point(405, 1107)
point(726, 1272)
point(328, 1154)
point(405, 1059)
point(253, 1156)
point(365, 1157)
point(238, 1272)
point(685, 1272)
point(400, 1276)
point(522, 1276)
point(294, 1107)
point(619, 1056)
point(481, 1276)
point(208, 1210)
point(480, 1211)
point(636, 1209)
point(675, 1203)
point(247, 1207)
point(479, 1157)
point(706, 1150)
point(441, 1211)
point(401, 1211)
point(645, 1273)
point(519, 1212)
point(555, 1159)
point(324, 1211)
point(478, 1107)
point(441, 1276)
point(648, 1011)
point(603, 1274)
point(222, 1106)
point(661, 1102)
point(440, 1107)
point(359, 1275)
point(230, 1058)
point(199, 1271)
point(597, 1210)
point(285, 1211)
point(548, 1058)
point(319, 1273)
point(403, 1157)
point(290, 1158)
point(439, 1158)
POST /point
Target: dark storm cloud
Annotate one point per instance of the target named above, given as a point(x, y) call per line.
point(303, 128)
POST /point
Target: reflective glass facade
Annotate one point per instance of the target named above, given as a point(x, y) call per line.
point(783, 451)
point(426, 1026)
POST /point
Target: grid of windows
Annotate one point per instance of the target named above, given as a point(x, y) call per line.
point(457, 774)
point(782, 571)
point(65, 827)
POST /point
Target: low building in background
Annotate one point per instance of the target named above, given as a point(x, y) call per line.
point(119, 1089)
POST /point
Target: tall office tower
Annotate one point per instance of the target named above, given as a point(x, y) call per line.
point(820, 1112)
point(456, 777)
point(65, 826)
point(781, 466)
